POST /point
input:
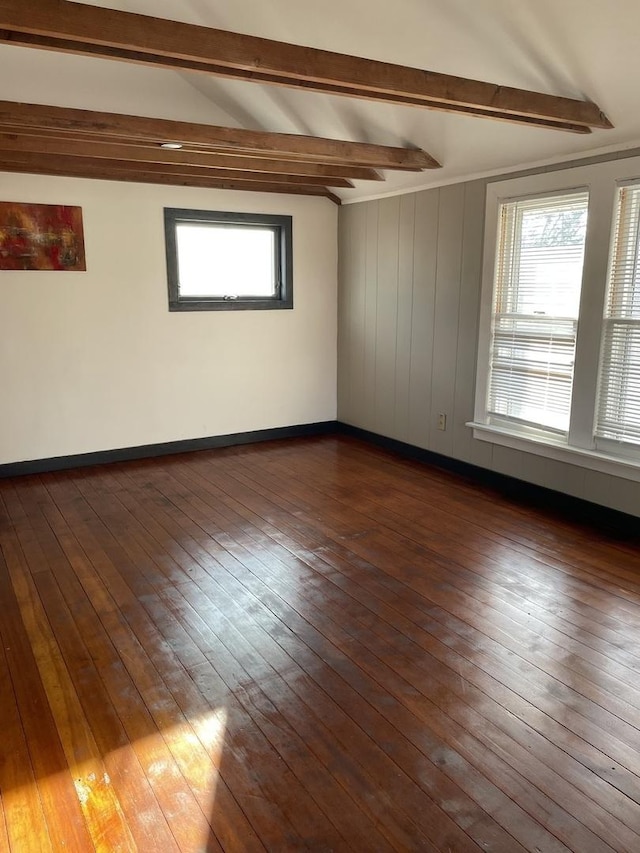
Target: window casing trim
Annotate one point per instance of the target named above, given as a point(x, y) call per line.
point(282, 227)
point(602, 181)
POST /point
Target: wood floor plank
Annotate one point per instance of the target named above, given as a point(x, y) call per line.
point(397, 617)
point(517, 578)
point(264, 667)
point(300, 812)
point(309, 772)
point(196, 534)
point(4, 838)
point(55, 785)
point(547, 535)
point(373, 545)
point(121, 676)
point(312, 645)
point(26, 826)
point(100, 806)
point(437, 525)
point(273, 582)
point(124, 767)
point(195, 762)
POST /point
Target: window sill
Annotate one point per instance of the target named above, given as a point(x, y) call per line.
point(629, 469)
point(186, 304)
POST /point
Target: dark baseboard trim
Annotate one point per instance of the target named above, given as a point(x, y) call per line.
point(127, 454)
point(518, 491)
point(612, 521)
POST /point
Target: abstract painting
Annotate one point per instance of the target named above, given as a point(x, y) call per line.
point(41, 237)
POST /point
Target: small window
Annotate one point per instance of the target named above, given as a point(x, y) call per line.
point(218, 261)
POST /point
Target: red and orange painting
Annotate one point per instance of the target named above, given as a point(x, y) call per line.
point(41, 237)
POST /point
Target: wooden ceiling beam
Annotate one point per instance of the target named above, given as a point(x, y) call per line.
point(78, 28)
point(38, 165)
point(28, 40)
point(80, 163)
point(47, 142)
point(223, 140)
point(178, 170)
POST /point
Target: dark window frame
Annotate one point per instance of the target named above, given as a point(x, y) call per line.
point(282, 227)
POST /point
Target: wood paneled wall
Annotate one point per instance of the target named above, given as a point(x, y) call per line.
point(409, 292)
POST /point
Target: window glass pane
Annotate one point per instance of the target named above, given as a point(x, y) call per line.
point(618, 413)
point(537, 287)
point(220, 260)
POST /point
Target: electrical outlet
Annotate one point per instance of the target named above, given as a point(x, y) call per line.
point(442, 421)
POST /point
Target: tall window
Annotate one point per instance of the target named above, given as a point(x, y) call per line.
point(558, 370)
point(536, 300)
point(619, 390)
point(219, 261)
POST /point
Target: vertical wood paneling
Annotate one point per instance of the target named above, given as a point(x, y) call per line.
point(370, 313)
point(423, 316)
point(464, 446)
point(445, 339)
point(404, 317)
point(410, 281)
point(386, 315)
point(351, 311)
point(357, 336)
point(597, 483)
point(625, 497)
point(347, 273)
point(506, 460)
point(566, 478)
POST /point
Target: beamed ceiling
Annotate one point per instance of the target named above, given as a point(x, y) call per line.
point(92, 91)
point(62, 141)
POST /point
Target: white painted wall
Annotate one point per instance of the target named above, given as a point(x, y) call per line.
point(94, 361)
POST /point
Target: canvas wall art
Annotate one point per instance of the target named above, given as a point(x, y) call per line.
point(41, 237)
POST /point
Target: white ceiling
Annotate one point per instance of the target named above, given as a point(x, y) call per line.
point(576, 48)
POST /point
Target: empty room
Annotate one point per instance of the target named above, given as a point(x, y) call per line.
point(320, 426)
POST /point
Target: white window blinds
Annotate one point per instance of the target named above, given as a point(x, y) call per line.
point(618, 413)
point(536, 301)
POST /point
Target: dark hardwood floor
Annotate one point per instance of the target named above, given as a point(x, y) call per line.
point(311, 645)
